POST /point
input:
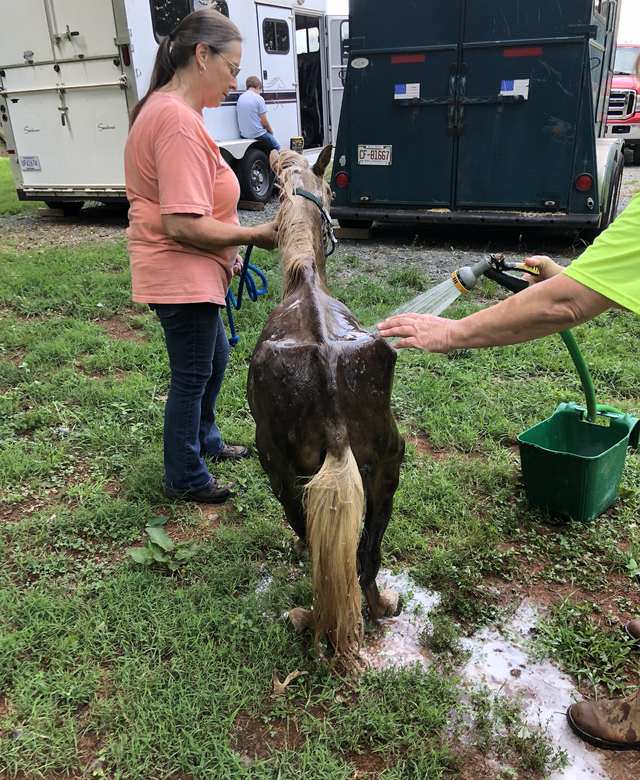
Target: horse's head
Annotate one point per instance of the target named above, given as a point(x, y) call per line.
point(300, 220)
point(293, 172)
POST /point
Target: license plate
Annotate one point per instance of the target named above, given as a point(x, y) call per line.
point(374, 154)
point(30, 164)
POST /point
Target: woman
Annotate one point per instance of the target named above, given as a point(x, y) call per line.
point(184, 235)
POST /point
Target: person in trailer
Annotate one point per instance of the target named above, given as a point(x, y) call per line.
point(252, 114)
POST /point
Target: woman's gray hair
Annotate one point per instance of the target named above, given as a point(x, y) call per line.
point(177, 48)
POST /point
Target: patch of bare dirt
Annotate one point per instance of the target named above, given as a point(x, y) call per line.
point(206, 524)
point(118, 328)
point(368, 766)
point(622, 765)
point(424, 447)
point(254, 739)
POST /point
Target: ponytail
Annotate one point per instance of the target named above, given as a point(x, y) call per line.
point(163, 71)
point(175, 50)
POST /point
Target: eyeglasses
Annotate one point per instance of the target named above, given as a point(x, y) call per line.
point(235, 69)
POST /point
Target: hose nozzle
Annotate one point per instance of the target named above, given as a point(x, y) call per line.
point(465, 279)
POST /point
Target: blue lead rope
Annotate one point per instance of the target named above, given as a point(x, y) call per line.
point(248, 280)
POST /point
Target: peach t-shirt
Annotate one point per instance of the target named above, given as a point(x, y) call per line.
point(173, 166)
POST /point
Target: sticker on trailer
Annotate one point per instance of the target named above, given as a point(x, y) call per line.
point(406, 91)
point(30, 164)
point(515, 88)
point(375, 154)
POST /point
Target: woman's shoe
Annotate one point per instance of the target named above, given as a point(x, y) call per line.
point(210, 494)
point(231, 452)
point(632, 629)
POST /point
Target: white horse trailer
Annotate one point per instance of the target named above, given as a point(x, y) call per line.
point(72, 70)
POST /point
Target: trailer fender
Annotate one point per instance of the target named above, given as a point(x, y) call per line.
point(610, 159)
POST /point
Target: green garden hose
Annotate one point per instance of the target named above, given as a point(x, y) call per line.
point(583, 372)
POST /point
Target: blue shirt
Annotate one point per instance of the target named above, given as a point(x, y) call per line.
point(250, 107)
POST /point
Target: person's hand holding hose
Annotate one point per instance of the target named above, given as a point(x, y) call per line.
point(545, 265)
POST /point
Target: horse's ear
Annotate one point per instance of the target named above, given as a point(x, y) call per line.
point(273, 159)
point(323, 161)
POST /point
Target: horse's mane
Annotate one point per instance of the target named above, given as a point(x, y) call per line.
point(299, 237)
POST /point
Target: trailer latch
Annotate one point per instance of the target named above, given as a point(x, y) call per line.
point(69, 34)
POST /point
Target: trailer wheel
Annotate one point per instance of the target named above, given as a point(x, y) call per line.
point(68, 208)
point(614, 194)
point(362, 224)
point(256, 179)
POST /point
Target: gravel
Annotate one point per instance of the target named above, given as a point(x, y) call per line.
point(436, 251)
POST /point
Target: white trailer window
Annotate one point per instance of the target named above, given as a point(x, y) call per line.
point(166, 14)
point(275, 34)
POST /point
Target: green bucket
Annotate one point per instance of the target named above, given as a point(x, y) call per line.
point(572, 467)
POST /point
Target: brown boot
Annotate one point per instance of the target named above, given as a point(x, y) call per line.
point(613, 724)
point(633, 630)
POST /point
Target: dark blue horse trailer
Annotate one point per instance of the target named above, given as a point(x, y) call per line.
point(478, 111)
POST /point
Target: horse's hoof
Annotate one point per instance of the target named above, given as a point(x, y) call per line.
point(301, 619)
point(391, 603)
point(300, 550)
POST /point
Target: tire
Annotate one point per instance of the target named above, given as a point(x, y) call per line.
point(614, 195)
point(362, 224)
point(636, 155)
point(256, 179)
point(69, 208)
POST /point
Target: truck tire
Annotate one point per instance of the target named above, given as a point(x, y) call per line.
point(636, 155)
point(68, 208)
point(256, 179)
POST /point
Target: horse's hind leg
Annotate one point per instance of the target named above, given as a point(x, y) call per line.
point(387, 603)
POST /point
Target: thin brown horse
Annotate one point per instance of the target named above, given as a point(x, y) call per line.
point(319, 390)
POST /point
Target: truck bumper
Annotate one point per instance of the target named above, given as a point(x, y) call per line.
point(446, 216)
point(104, 195)
point(628, 131)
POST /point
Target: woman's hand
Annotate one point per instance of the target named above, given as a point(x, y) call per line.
point(237, 265)
point(545, 265)
point(421, 331)
point(264, 236)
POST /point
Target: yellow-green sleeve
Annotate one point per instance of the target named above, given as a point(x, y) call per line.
point(611, 265)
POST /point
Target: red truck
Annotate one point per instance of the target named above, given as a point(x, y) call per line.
point(624, 104)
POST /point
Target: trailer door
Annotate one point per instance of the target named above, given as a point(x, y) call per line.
point(518, 124)
point(24, 33)
point(278, 64)
point(70, 117)
point(338, 32)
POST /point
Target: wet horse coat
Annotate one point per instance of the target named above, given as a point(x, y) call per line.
point(319, 390)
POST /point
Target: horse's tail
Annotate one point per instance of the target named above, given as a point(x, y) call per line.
point(334, 504)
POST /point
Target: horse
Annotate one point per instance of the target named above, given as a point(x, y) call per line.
point(319, 389)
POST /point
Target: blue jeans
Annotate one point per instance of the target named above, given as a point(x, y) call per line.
point(198, 353)
point(271, 140)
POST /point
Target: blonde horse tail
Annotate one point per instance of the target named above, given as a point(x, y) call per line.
point(334, 505)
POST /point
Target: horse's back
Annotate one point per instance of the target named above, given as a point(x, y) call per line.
point(318, 381)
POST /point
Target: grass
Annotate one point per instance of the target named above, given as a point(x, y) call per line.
point(9, 203)
point(137, 672)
